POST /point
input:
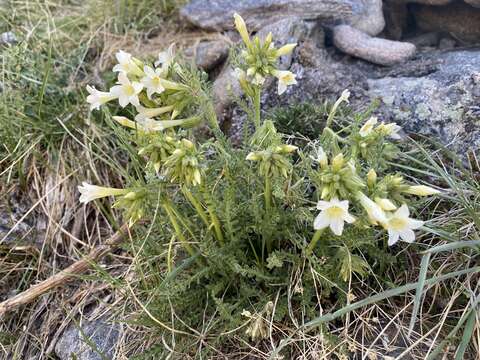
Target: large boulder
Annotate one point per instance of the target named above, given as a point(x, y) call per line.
point(218, 14)
point(442, 104)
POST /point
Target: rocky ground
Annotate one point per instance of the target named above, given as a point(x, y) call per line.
point(419, 59)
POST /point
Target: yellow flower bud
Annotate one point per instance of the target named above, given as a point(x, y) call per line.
point(131, 195)
point(421, 190)
point(338, 162)
point(285, 49)
point(242, 29)
point(253, 156)
point(385, 204)
point(371, 178)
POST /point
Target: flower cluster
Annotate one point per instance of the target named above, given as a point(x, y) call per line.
point(260, 61)
point(341, 182)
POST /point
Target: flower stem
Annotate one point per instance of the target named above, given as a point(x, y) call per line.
point(177, 229)
point(256, 105)
point(196, 204)
point(268, 206)
point(314, 241)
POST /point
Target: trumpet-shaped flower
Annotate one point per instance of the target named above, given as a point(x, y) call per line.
point(421, 190)
point(334, 214)
point(165, 58)
point(152, 81)
point(390, 130)
point(126, 64)
point(400, 226)
point(367, 128)
point(126, 91)
point(285, 78)
point(374, 211)
point(91, 192)
point(98, 98)
point(144, 113)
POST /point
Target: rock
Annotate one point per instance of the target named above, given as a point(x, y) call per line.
point(8, 38)
point(396, 14)
point(460, 20)
point(218, 14)
point(208, 54)
point(371, 20)
point(103, 335)
point(474, 3)
point(447, 43)
point(440, 105)
point(426, 2)
point(376, 50)
point(425, 40)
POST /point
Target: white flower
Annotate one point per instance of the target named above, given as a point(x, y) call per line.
point(285, 78)
point(127, 91)
point(144, 113)
point(152, 81)
point(345, 96)
point(91, 192)
point(374, 211)
point(399, 225)
point(321, 157)
point(334, 214)
point(165, 58)
point(367, 128)
point(126, 64)
point(390, 129)
point(97, 98)
point(421, 190)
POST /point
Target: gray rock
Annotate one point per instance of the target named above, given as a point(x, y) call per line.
point(474, 3)
point(377, 50)
point(8, 38)
point(208, 54)
point(441, 105)
point(371, 20)
point(458, 19)
point(396, 15)
point(103, 335)
point(218, 14)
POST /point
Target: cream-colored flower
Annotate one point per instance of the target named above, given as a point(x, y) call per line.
point(334, 214)
point(391, 130)
point(98, 98)
point(165, 58)
point(321, 157)
point(400, 226)
point(345, 96)
point(152, 81)
point(242, 29)
point(126, 91)
point(367, 128)
point(91, 192)
point(285, 78)
point(421, 190)
point(285, 49)
point(144, 112)
point(126, 64)
point(375, 213)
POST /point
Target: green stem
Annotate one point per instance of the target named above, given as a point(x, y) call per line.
point(196, 204)
point(268, 206)
point(256, 105)
point(214, 218)
point(313, 242)
point(177, 229)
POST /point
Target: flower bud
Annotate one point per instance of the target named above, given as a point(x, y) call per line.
point(421, 190)
point(367, 128)
point(338, 162)
point(253, 156)
point(385, 204)
point(242, 29)
point(286, 149)
point(285, 49)
point(371, 178)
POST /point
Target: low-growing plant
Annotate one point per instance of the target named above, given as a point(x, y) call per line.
point(228, 226)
